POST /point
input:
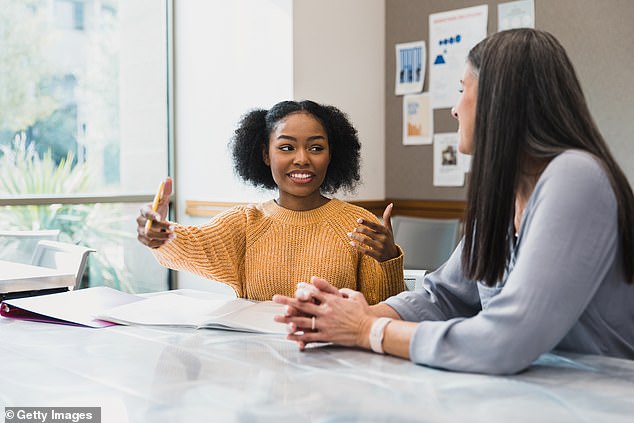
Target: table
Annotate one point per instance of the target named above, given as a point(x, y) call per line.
point(25, 277)
point(143, 374)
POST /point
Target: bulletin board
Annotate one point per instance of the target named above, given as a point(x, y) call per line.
point(599, 40)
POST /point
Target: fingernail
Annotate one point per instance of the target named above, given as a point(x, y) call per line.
point(171, 227)
point(172, 235)
point(287, 310)
point(350, 234)
point(359, 220)
point(289, 328)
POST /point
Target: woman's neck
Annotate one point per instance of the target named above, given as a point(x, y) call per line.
point(301, 203)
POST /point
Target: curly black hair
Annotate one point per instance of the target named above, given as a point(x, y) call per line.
point(251, 137)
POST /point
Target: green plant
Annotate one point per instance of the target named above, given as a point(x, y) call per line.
point(24, 172)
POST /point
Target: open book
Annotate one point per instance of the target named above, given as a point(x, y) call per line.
point(103, 306)
point(176, 309)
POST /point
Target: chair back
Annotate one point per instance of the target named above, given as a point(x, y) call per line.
point(18, 245)
point(426, 243)
point(70, 258)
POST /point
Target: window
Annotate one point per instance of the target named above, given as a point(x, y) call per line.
point(84, 126)
point(69, 14)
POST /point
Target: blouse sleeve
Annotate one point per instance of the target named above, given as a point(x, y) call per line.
point(214, 251)
point(446, 294)
point(567, 244)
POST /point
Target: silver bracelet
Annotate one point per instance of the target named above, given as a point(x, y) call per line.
point(376, 334)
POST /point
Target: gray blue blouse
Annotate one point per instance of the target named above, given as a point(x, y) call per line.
point(564, 288)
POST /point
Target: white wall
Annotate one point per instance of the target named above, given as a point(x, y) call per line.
point(231, 56)
point(339, 49)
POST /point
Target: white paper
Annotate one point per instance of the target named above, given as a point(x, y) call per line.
point(448, 163)
point(465, 162)
point(418, 122)
point(516, 14)
point(410, 67)
point(173, 309)
point(451, 35)
point(77, 307)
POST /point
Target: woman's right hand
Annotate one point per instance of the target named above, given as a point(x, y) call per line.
point(162, 230)
point(341, 316)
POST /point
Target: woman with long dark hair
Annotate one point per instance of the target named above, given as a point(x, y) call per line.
point(547, 260)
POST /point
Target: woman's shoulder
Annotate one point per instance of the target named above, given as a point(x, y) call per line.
point(576, 173)
point(352, 210)
point(572, 161)
point(575, 166)
point(243, 211)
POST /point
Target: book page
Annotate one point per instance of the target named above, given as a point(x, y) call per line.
point(164, 310)
point(257, 317)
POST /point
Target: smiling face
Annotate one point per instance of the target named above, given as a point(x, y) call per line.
point(298, 155)
point(465, 108)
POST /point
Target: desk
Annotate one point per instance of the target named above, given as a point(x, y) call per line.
point(24, 277)
point(141, 374)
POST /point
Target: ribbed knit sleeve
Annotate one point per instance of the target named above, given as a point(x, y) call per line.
point(376, 280)
point(381, 280)
point(214, 251)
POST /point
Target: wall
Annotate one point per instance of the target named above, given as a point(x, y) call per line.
point(598, 37)
point(233, 56)
point(339, 59)
point(228, 59)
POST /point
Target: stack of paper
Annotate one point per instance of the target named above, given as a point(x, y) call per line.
point(72, 308)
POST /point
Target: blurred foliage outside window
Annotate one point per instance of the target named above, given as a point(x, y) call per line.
point(60, 131)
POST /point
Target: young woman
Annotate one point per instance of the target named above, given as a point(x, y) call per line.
point(304, 150)
point(547, 260)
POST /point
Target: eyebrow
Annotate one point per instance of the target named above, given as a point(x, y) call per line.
point(290, 138)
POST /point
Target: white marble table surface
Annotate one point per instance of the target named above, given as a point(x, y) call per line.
point(141, 374)
point(23, 277)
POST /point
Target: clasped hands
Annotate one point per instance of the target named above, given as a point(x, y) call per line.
point(319, 312)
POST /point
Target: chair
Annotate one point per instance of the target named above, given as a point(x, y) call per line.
point(426, 243)
point(62, 256)
point(18, 246)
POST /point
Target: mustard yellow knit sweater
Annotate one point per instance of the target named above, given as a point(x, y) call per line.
point(261, 250)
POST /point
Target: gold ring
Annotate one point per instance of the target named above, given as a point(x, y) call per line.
point(312, 323)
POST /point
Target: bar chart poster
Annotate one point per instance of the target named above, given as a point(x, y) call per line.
point(410, 67)
point(451, 35)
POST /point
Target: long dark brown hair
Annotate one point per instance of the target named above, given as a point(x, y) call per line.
point(530, 108)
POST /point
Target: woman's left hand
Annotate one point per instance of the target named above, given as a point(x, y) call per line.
point(376, 240)
point(344, 318)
